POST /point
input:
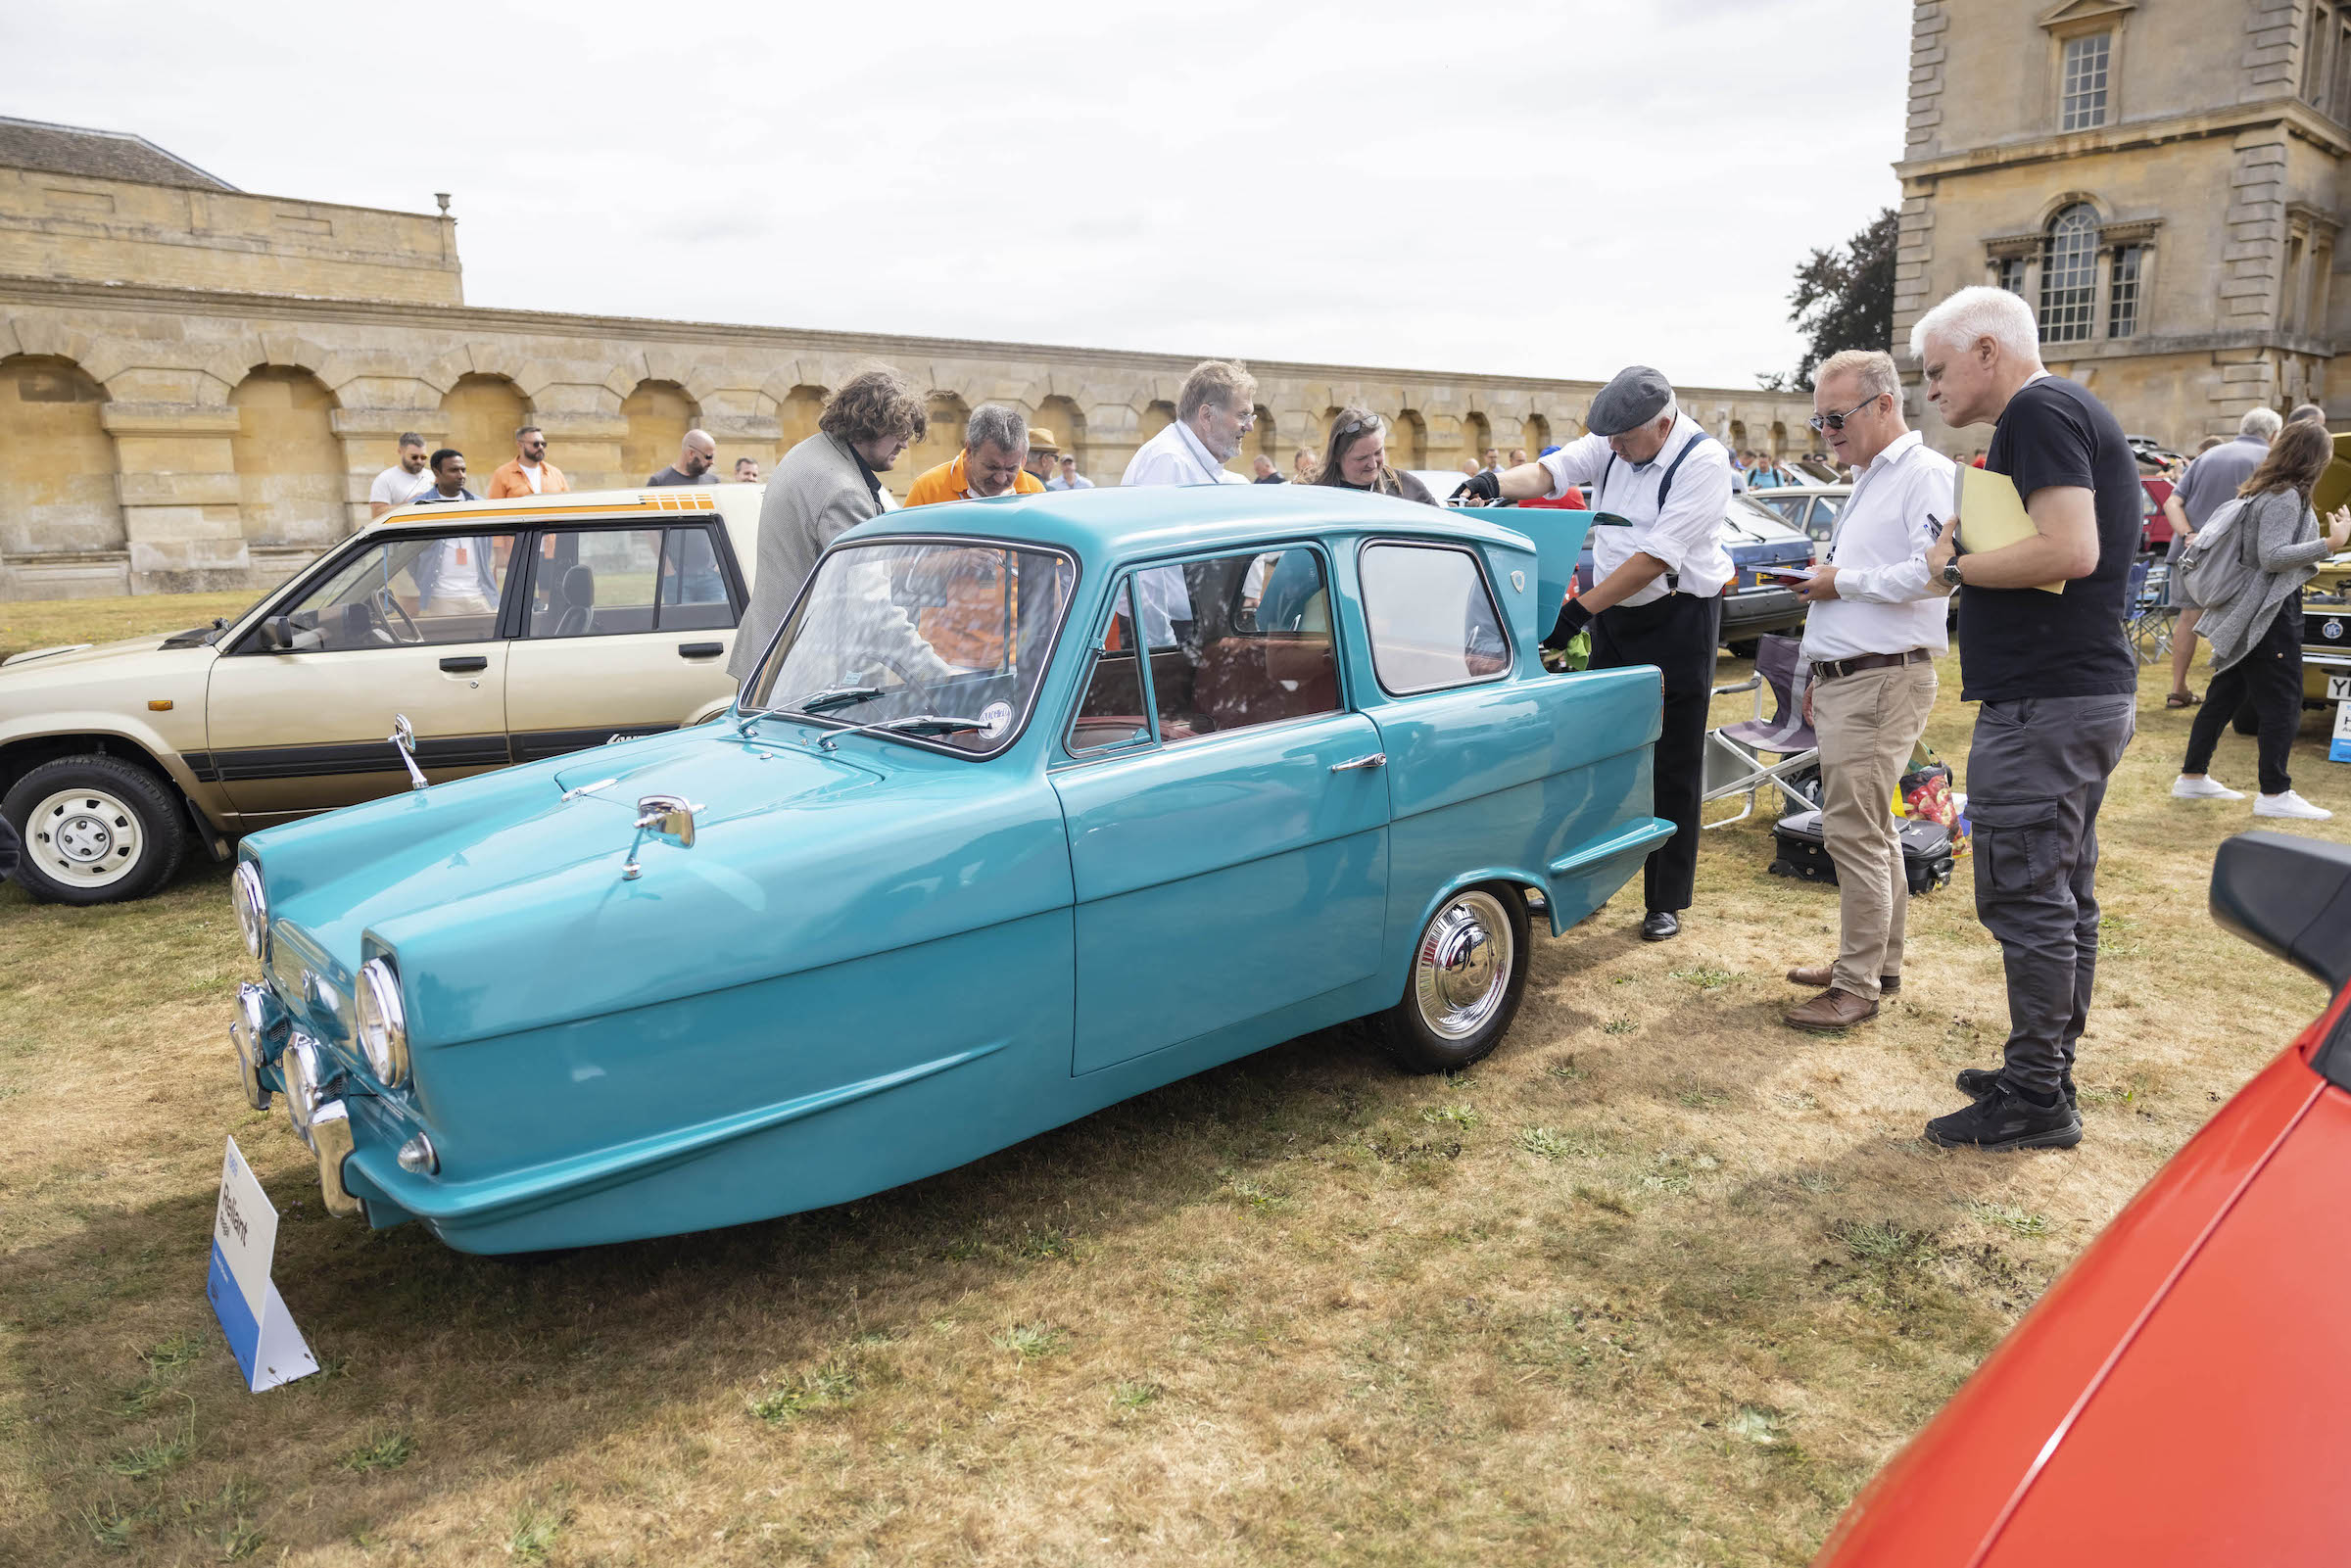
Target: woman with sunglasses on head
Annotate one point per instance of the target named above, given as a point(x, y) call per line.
point(1358, 459)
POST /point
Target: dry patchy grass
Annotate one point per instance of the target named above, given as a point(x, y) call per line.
point(1661, 1282)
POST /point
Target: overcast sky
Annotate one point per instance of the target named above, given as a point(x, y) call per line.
point(1553, 189)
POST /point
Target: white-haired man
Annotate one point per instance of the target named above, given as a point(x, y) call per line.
point(2210, 482)
point(2058, 694)
point(1656, 592)
point(1872, 634)
point(1213, 412)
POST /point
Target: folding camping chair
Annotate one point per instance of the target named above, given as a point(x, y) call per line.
point(1735, 764)
point(2148, 613)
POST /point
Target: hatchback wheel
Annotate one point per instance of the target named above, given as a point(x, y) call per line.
point(96, 830)
point(1467, 975)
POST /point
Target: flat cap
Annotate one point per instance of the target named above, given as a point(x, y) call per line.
point(1637, 396)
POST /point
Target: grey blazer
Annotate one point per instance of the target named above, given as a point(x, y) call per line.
point(816, 494)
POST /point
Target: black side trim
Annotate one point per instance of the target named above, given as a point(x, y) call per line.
point(358, 756)
point(531, 745)
point(200, 763)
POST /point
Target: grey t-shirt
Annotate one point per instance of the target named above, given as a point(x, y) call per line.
point(671, 476)
point(2212, 481)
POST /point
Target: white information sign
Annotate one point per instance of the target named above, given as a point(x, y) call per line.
point(261, 1331)
point(2340, 749)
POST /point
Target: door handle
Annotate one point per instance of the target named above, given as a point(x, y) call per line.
point(466, 664)
point(700, 651)
point(1377, 759)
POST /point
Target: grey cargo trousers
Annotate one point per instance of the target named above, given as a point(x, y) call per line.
point(2036, 772)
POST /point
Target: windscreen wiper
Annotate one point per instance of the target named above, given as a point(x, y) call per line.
point(908, 723)
point(826, 698)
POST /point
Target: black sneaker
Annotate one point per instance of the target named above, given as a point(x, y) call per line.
point(2003, 1120)
point(1977, 1082)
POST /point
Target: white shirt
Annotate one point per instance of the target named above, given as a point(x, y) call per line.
point(396, 485)
point(1883, 602)
point(530, 471)
point(1174, 456)
point(1686, 536)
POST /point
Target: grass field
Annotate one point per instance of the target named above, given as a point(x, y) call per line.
point(1661, 1282)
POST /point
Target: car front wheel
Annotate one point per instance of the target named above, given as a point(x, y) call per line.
point(1467, 975)
point(96, 830)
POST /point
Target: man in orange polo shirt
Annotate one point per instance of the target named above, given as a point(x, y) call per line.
point(530, 473)
point(996, 449)
point(969, 628)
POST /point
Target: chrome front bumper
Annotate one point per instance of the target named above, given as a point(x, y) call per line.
point(274, 1055)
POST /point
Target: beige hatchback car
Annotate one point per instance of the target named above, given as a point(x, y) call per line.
point(505, 631)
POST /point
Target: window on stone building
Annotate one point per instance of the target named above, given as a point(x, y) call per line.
point(2316, 38)
point(2085, 101)
point(2069, 275)
point(2122, 297)
point(2343, 72)
point(2012, 273)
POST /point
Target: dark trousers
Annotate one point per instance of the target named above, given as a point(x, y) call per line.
point(1676, 634)
point(2036, 772)
point(2269, 679)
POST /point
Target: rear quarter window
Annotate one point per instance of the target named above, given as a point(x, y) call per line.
point(1431, 619)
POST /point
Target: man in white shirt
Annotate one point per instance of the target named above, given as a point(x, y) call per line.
point(399, 484)
point(1877, 622)
point(1660, 486)
point(1213, 412)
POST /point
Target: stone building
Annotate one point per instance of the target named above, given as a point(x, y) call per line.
point(198, 384)
point(2162, 179)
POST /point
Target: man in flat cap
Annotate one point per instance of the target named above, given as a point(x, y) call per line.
point(1662, 486)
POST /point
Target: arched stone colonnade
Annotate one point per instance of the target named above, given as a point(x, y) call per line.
point(172, 442)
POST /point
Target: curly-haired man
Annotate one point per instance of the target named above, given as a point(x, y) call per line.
point(823, 488)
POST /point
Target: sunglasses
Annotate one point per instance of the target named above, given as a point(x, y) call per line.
point(1351, 426)
point(1835, 421)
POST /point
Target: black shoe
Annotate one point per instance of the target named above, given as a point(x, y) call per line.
point(1660, 926)
point(1977, 1082)
point(2003, 1120)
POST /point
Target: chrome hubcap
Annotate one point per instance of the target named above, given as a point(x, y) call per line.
point(1463, 966)
point(83, 837)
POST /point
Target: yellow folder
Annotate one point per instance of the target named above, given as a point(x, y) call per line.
point(1991, 515)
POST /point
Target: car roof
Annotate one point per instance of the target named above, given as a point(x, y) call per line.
point(1111, 523)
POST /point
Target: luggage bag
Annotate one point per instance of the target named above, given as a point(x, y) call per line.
point(1801, 851)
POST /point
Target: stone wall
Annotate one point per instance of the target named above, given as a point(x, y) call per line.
point(161, 439)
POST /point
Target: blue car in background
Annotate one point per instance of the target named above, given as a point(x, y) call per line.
point(1031, 805)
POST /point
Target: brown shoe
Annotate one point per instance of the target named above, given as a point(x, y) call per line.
point(1825, 974)
point(1832, 1012)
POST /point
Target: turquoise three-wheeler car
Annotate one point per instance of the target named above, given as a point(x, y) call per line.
point(1031, 805)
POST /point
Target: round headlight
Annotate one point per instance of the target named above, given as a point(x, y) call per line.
point(383, 1024)
point(252, 906)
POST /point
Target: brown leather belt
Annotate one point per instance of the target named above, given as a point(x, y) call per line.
point(1831, 669)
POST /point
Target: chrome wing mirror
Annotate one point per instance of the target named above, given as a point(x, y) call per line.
point(668, 818)
point(402, 740)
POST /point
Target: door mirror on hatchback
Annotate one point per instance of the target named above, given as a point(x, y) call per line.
point(281, 635)
point(2290, 897)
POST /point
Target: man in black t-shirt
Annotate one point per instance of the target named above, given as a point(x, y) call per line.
point(2058, 694)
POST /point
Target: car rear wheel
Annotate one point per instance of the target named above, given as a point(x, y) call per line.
point(1467, 975)
point(96, 830)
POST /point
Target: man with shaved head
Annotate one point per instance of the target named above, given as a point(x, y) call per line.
point(696, 455)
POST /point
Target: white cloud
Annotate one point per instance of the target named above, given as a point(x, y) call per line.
point(1542, 190)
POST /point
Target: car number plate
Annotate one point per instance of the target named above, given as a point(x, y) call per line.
point(2338, 688)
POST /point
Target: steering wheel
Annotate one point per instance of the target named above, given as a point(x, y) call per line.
point(386, 607)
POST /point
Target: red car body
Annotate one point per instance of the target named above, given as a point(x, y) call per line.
point(2183, 1393)
point(2154, 528)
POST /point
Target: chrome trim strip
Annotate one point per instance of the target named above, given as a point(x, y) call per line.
point(520, 1192)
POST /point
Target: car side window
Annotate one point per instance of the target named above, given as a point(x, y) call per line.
point(1222, 660)
point(1112, 711)
point(694, 591)
point(598, 582)
point(405, 592)
point(1432, 623)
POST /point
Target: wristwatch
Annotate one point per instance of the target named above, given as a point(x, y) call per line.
point(1951, 572)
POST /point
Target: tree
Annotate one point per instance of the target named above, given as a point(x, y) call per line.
point(1843, 299)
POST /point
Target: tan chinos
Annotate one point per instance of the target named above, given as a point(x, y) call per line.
point(1866, 723)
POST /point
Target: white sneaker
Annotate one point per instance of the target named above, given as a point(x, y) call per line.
point(2288, 804)
point(2205, 788)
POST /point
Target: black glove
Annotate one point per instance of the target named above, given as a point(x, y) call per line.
point(1480, 487)
point(1573, 618)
